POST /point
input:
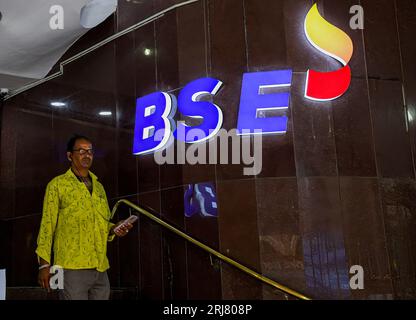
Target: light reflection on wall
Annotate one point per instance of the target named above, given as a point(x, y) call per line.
point(325, 263)
point(200, 198)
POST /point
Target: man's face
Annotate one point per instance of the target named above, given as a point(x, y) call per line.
point(82, 155)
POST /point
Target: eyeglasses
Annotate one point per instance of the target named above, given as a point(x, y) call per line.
point(84, 151)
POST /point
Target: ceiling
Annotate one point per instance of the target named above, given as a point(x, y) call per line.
point(35, 34)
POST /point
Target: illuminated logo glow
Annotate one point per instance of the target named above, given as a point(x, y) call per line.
point(328, 39)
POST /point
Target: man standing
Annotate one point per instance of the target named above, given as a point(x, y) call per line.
point(76, 225)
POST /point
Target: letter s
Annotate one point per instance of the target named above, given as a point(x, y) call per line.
point(190, 105)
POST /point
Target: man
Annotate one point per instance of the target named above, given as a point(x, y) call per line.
point(76, 224)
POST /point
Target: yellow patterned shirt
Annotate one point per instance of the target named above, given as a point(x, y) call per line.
point(75, 223)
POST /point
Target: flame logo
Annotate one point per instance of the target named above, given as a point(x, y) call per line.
point(328, 39)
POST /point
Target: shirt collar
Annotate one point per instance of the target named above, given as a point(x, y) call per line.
point(71, 174)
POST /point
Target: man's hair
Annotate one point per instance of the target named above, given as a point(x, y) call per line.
point(71, 142)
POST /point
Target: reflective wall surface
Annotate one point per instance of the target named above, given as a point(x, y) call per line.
point(337, 190)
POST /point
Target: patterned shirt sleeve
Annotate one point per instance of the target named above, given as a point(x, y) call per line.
point(48, 223)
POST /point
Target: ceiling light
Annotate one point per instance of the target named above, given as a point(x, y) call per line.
point(58, 104)
point(147, 52)
point(105, 113)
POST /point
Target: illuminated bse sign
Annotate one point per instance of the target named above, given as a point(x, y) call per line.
point(155, 112)
point(261, 93)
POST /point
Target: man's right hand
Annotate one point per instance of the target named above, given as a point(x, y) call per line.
point(43, 278)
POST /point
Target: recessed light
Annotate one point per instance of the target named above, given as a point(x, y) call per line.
point(147, 52)
point(105, 113)
point(58, 104)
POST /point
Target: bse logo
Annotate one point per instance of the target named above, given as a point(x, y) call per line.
point(264, 99)
point(335, 43)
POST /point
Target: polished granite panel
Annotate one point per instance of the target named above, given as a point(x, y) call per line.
point(170, 174)
point(127, 183)
point(194, 173)
point(325, 257)
point(313, 130)
point(266, 38)
point(36, 148)
point(201, 223)
point(172, 206)
point(166, 39)
point(280, 233)
point(125, 93)
point(239, 238)
point(406, 17)
point(393, 153)
point(204, 275)
point(201, 213)
point(399, 209)
point(151, 270)
point(227, 39)
point(129, 247)
point(354, 132)
point(175, 275)
point(174, 248)
point(8, 161)
point(278, 156)
point(145, 55)
point(237, 285)
point(24, 263)
point(132, 12)
point(192, 43)
point(148, 173)
point(381, 40)
point(365, 239)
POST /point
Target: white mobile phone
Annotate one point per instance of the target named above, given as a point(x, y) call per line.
point(130, 219)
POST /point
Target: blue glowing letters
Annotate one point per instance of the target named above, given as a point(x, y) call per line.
point(261, 93)
point(255, 99)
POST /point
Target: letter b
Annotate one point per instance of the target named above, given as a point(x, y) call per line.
point(154, 114)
